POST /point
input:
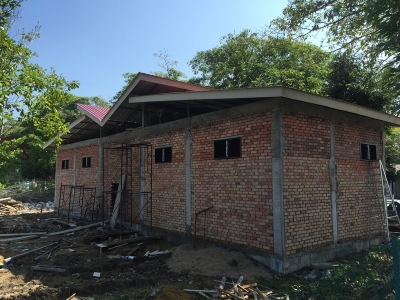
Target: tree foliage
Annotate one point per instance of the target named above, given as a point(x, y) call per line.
point(354, 80)
point(366, 27)
point(250, 59)
point(27, 91)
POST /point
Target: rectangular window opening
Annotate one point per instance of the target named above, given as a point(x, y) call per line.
point(163, 155)
point(86, 162)
point(368, 151)
point(65, 164)
point(227, 148)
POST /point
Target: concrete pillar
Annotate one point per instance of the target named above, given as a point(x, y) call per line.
point(74, 181)
point(277, 189)
point(55, 182)
point(188, 184)
point(142, 181)
point(99, 187)
point(333, 183)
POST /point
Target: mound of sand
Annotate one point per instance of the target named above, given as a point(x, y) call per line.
point(215, 262)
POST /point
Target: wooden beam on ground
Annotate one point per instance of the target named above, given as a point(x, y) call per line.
point(48, 269)
point(26, 253)
point(20, 238)
point(76, 228)
point(129, 241)
point(3, 235)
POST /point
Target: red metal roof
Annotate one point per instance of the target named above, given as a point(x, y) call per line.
point(96, 111)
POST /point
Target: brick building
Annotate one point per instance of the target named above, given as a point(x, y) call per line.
point(287, 176)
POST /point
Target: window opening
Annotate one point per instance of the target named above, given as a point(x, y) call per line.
point(368, 151)
point(227, 148)
point(163, 154)
point(64, 164)
point(86, 162)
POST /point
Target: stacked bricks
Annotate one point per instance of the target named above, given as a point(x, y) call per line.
point(306, 189)
point(357, 187)
point(239, 189)
point(168, 195)
point(64, 176)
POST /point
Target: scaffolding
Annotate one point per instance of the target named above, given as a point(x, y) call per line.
point(127, 184)
point(77, 200)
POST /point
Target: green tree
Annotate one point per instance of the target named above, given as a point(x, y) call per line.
point(367, 27)
point(26, 90)
point(69, 112)
point(250, 59)
point(392, 151)
point(357, 81)
point(168, 65)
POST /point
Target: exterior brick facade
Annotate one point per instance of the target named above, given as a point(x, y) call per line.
point(327, 192)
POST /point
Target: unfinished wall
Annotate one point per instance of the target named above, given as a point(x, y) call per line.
point(358, 180)
point(239, 189)
point(64, 176)
point(306, 190)
point(168, 194)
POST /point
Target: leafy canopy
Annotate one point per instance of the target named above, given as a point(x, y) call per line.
point(27, 91)
point(251, 59)
point(366, 27)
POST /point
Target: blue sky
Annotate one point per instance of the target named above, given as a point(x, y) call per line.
point(96, 41)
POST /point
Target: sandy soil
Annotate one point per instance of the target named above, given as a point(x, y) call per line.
point(120, 279)
point(215, 262)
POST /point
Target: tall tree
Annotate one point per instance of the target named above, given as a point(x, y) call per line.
point(367, 27)
point(251, 59)
point(357, 81)
point(26, 89)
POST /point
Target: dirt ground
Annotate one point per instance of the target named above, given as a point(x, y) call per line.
point(143, 277)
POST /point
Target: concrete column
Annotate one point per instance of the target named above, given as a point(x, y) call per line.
point(277, 189)
point(188, 182)
point(55, 182)
point(99, 187)
point(74, 182)
point(333, 183)
point(142, 182)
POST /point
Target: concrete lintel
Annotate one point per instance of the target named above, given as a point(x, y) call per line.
point(188, 183)
point(79, 144)
point(277, 188)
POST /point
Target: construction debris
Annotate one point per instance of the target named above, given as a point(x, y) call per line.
point(239, 291)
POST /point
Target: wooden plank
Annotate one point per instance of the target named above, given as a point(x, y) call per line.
point(114, 215)
point(3, 199)
point(91, 238)
point(20, 238)
point(48, 269)
point(64, 223)
point(130, 241)
point(132, 250)
point(76, 228)
point(3, 235)
point(26, 253)
point(230, 294)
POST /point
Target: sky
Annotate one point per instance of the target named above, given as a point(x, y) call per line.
point(96, 41)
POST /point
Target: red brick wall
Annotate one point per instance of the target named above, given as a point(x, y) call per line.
point(355, 184)
point(64, 176)
point(169, 209)
point(307, 203)
point(240, 189)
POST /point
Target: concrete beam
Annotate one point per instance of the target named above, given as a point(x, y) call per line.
point(277, 189)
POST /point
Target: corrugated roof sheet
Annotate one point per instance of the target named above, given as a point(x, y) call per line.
point(96, 111)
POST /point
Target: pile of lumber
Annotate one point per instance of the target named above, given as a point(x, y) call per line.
point(240, 291)
point(9, 206)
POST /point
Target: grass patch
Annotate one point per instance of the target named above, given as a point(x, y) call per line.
point(356, 277)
